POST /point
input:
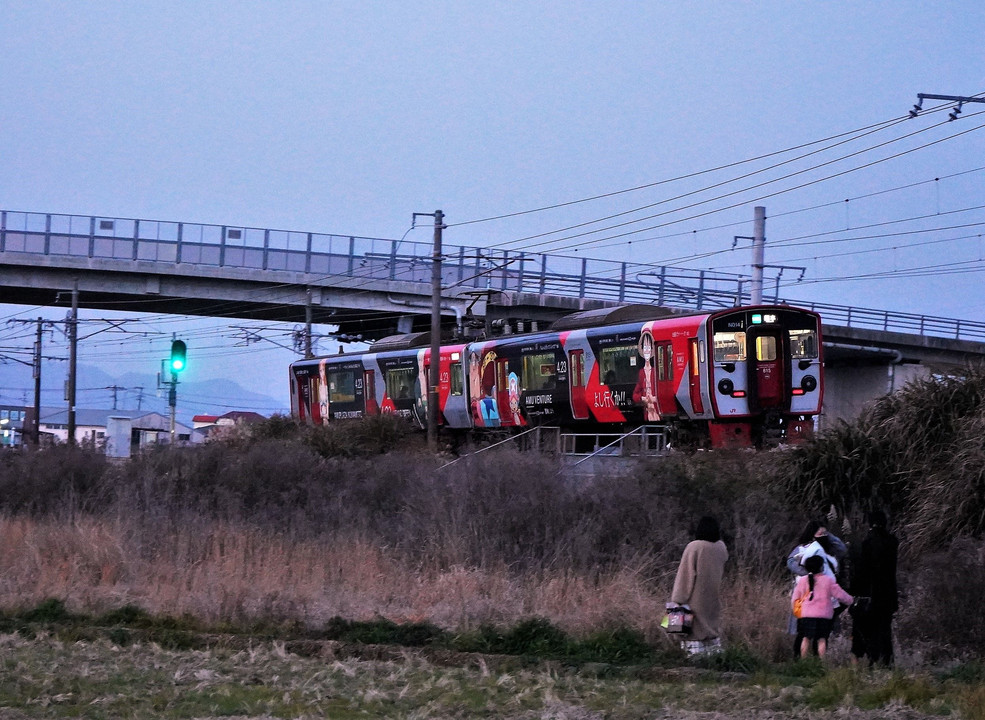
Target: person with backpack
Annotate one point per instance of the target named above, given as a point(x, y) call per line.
point(812, 603)
point(814, 540)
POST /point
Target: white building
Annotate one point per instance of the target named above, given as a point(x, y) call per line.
point(90, 427)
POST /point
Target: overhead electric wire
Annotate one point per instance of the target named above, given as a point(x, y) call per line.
point(679, 178)
point(689, 194)
point(859, 133)
point(848, 171)
point(793, 242)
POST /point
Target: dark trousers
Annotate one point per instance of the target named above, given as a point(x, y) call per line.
point(872, 637)
point(879, 638)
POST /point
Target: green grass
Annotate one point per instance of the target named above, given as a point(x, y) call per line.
point(47, 678)
point(62, 665)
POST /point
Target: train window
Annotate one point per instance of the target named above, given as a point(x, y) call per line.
point(730, 346)
point(623, 361)
point(803, 344)
point(400, 383)
point(341, 386)
point(577, 372)
point(457, 378)
point(665, 362)
point(539, 372)
point(766, 348)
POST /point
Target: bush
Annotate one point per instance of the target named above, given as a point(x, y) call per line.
point(51, 481)
point(944, 599)
point(916, 453)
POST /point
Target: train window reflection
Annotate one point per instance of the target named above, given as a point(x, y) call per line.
point(622, 361)
point(341, 386)
point(730, 346)
point(400, 383)
point(766, 348)
point(457, 381)
point(803, 344)
point(539, 372)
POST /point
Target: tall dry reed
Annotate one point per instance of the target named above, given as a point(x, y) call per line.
point(284, 527)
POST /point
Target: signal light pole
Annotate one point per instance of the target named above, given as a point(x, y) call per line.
point(177, 363)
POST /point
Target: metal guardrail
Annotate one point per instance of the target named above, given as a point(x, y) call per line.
point(644, 440)
point(897, 322)
point(533, 437)
point(326, 256)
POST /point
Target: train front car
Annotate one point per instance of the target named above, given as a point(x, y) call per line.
point(762, 372)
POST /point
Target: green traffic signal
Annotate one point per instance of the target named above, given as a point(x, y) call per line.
point(178, 351)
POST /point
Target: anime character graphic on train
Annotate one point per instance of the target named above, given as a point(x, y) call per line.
point(738, 377)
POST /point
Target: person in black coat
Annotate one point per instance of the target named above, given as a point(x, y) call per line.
point(874, 577)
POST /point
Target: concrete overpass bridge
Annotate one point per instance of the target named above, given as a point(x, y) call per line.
point(373, 287)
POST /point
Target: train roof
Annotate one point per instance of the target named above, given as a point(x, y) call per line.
point(402, 342)
point(613, 316)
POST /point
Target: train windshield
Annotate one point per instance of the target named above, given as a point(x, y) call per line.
point(733, 332)
point(803, 344)
point(730, 346)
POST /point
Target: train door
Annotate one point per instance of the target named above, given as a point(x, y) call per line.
point(369, 393)
point(455, 408)
point(577, 383)
point(666, 400)
point(420, 411)
point(301, 397)
point(507, 393)
point(767, 370)
point(694, 376)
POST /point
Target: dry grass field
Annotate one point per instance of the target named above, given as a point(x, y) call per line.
point(346, 573)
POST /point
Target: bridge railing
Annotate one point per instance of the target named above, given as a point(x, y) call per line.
point(368, 260)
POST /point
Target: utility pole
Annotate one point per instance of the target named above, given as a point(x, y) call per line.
point(307, 327)
point(73, 340)
point(434, 371)
point(36, 425)
point(758, 253)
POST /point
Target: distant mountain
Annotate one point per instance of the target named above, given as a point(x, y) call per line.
point(97, 389)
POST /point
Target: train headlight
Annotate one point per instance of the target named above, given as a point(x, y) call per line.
point(809, 383)
point(726, 386)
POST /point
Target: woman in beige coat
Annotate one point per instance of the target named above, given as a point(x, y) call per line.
point(697, 585)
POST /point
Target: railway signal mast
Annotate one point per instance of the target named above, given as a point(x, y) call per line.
point(177, 363)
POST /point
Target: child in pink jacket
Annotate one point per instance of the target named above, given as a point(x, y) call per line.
point(817, 593)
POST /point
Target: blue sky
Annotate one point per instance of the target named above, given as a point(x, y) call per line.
point(347, 117)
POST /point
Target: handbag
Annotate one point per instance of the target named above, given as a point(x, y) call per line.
point(798, 606)
point(678, 620)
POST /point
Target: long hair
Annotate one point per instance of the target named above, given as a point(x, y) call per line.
point(708, 530)
point(807, 536)
point(813, 565)
point(825, 542)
